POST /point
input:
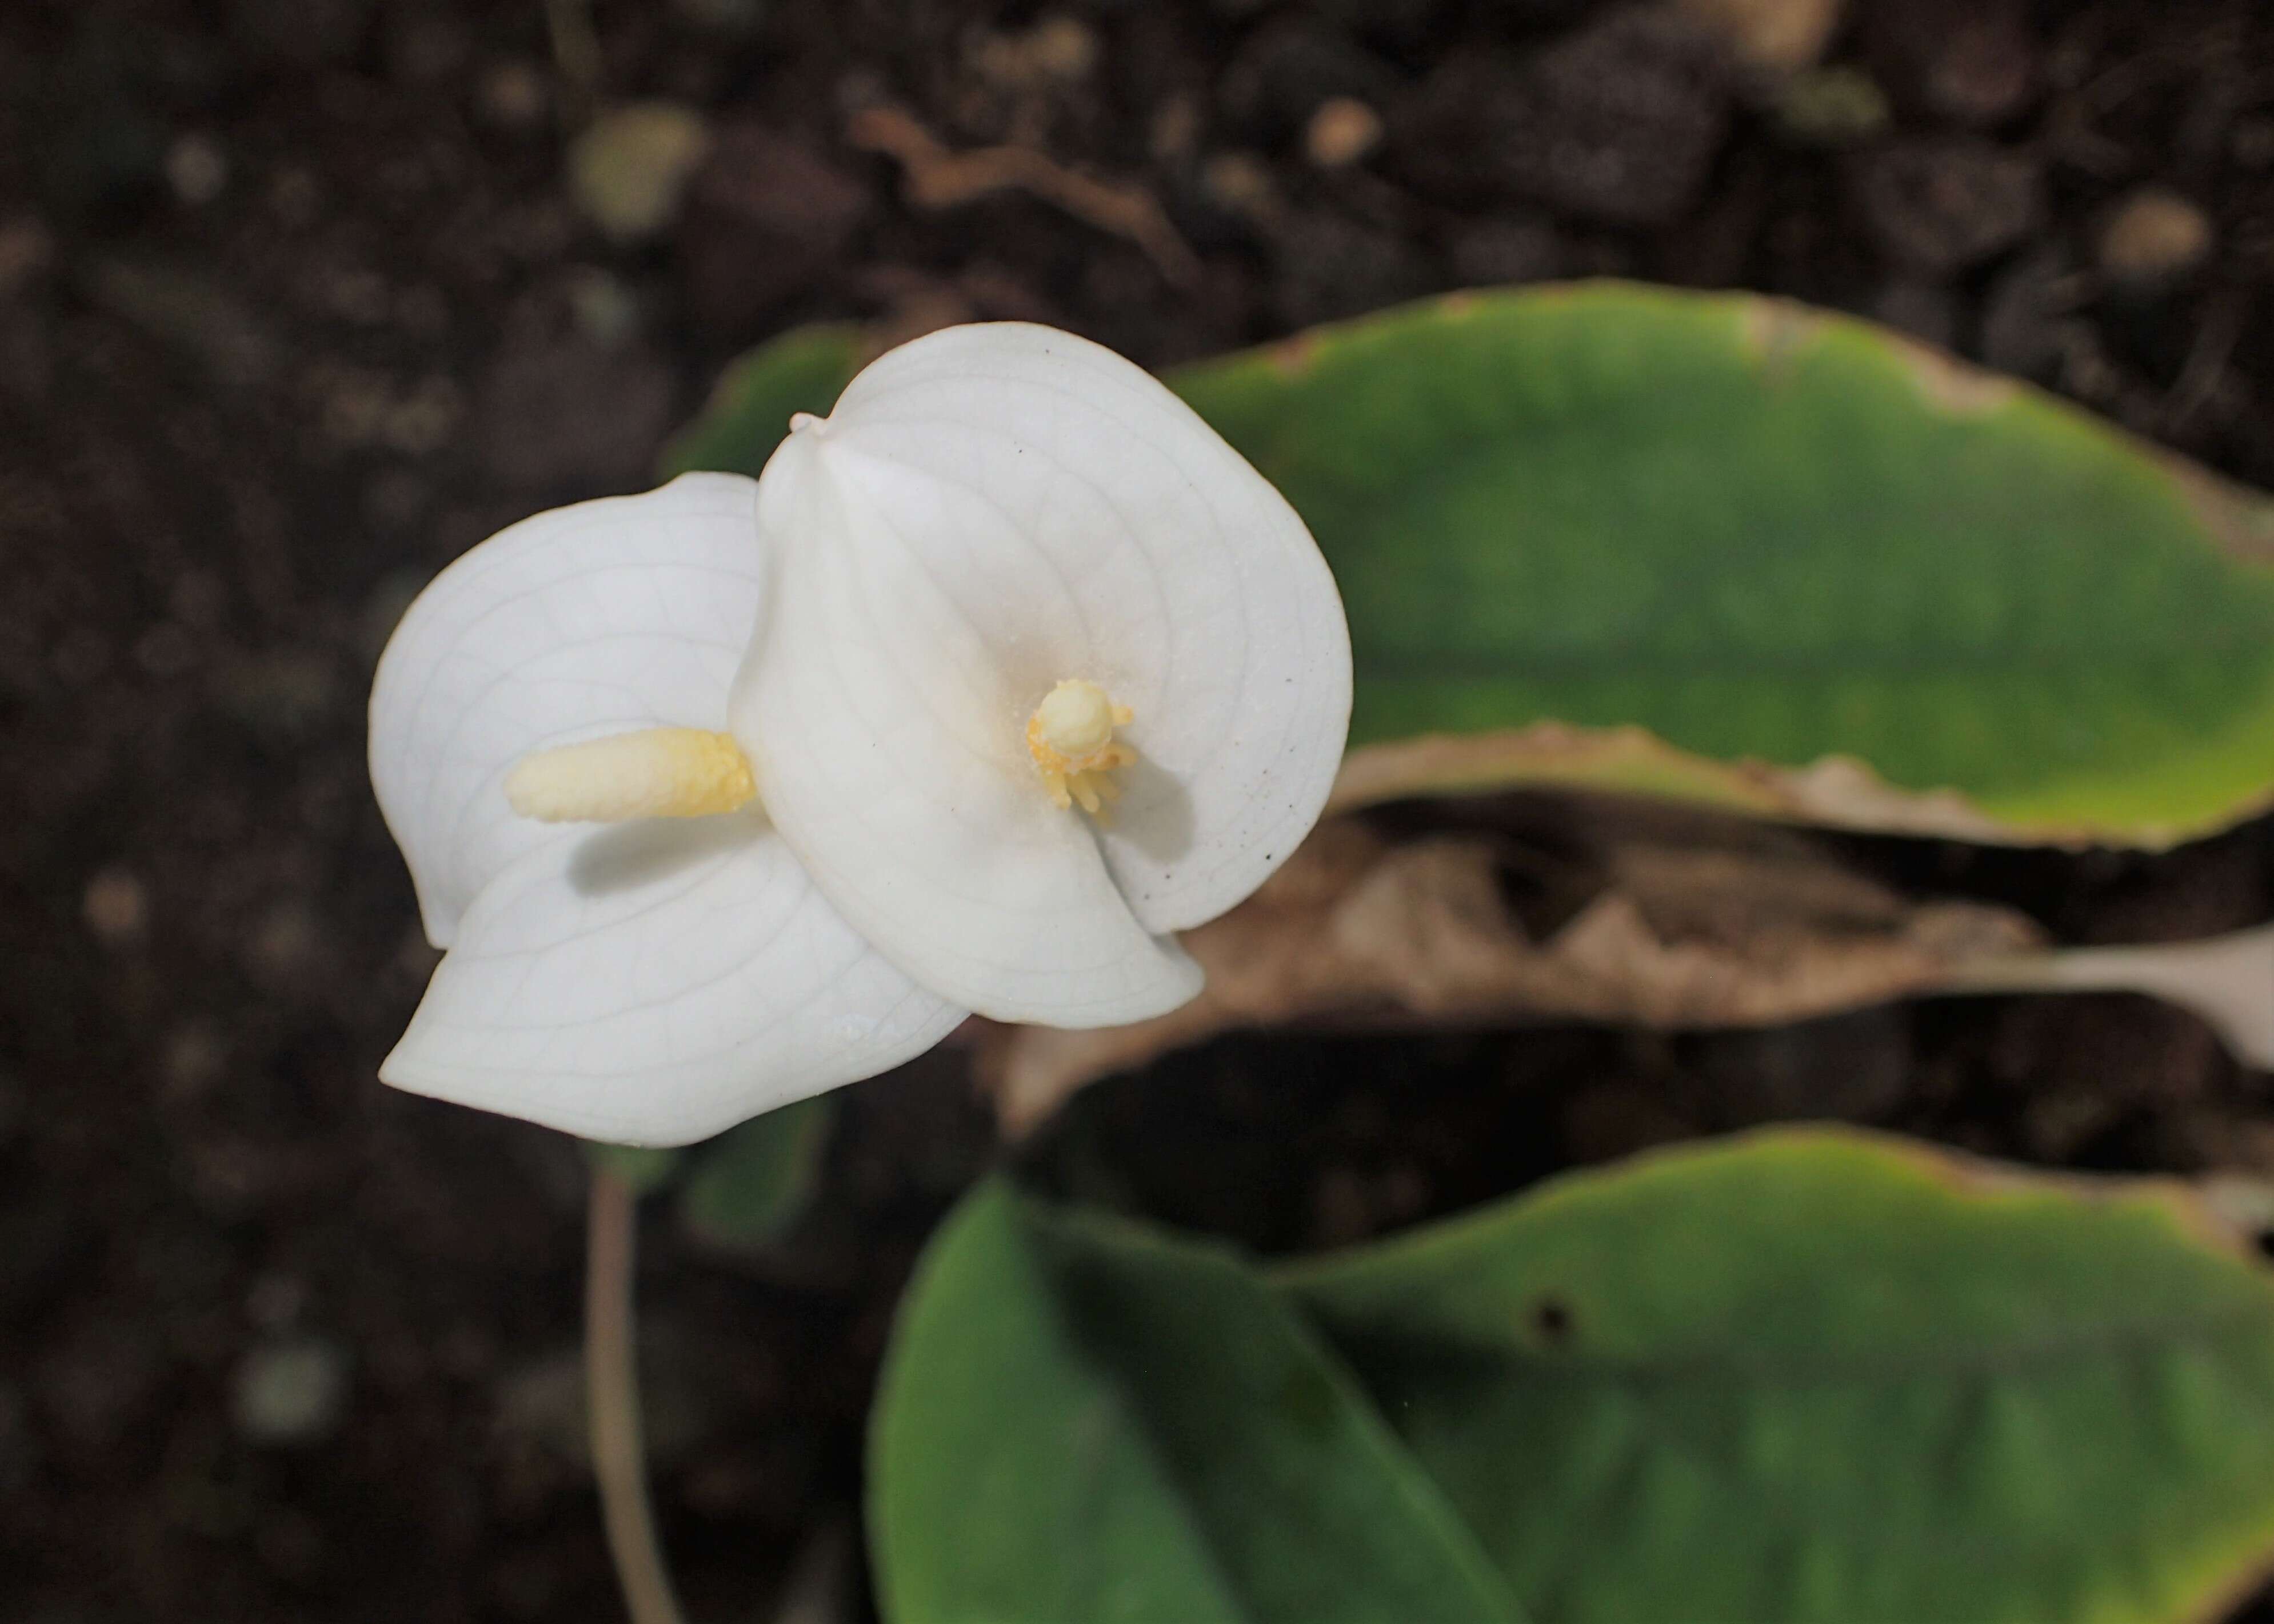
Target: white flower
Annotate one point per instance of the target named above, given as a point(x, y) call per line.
point(994, 680)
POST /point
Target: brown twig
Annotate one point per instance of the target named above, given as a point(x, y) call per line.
point(935, 177)
point(612, 1393)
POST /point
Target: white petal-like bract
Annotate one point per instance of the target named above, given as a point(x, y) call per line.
point(989, 511)
point(655, 983)
point(626, 612)
point(644, 982)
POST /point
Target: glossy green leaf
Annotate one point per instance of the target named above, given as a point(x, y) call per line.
point(750, 1183)
point(1822, 1376)
point(1756, 531)
point(1084, 1421)
point(1695, 545)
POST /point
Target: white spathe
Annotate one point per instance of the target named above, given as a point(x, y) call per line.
point(648, 983)
point(990, 513)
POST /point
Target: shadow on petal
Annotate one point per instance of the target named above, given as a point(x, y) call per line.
point(627, 856)
point(1155, 813)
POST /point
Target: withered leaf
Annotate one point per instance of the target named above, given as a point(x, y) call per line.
point(1681, 919)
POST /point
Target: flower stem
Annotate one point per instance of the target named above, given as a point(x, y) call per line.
point(612, 1386)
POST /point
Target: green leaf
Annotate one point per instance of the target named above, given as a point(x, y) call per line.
point(750, 1183)
point(1695, 545)
point(748, 414)
point(1822, 1376)
point(1759, 532)
point(1080, 1420)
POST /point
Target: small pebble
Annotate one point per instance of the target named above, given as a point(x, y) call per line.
point(2154, 238)
point(290, 1391)
point(1342, 131)
point(1239, 183)
point(513, 95)
point(116, 907)
point(628, 171)
point(1772, 36)
point(196, 169)
point(1063, 47)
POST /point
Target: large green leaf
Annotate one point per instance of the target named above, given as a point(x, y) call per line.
point(1697, 544)
point(1759, 532)
point(1082, 1422)
point(1819, 1376)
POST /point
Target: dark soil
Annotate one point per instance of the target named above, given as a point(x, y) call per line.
point(295, 306)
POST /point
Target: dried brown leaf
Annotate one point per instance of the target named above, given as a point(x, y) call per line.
point(1364, 928)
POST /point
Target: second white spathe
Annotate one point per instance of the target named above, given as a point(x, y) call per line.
point(651, 982)
point(989, 511)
